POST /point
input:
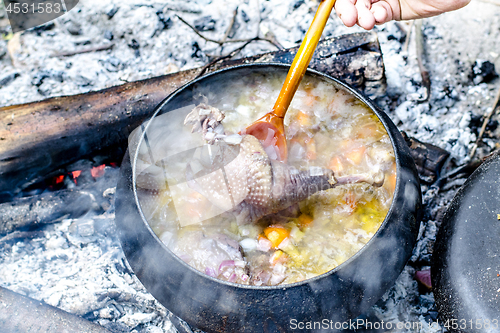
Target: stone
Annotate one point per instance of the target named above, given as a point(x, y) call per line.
point(197, 51)
point(483, 71)
point(74, 28)
point(44, 27)
point(112, 10)
point(108, 34)
point(134, 45)
point(40, 77)
point(245, 16)
point(165, 22)
point(112, 64)
point(204, 23)
point(297, 4)
point(83, 81)
point(6, 80)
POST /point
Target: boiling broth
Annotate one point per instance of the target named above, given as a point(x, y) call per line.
point(326, 127)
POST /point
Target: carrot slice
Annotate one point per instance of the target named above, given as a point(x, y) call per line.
point(356, 155)
point(278, 257)
point(276, 234)
point(367, 131)
point(336, 165)
point(311, 149)
point(303, 118)
point(304, 220)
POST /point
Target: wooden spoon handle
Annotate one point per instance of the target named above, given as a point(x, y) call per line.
point(303, 58)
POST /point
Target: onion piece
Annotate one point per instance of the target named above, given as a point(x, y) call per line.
point(272, 152)
point(226, 263)
point(210, 272)
point(296, 152)
point(233, 139)
point(239, 263)
point(248, 244)
point(210, 136)
point(276, 279)
point(185, 257)
point(264, 244)
point(269, 138)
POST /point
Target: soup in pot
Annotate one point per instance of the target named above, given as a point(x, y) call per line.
point(226, 204)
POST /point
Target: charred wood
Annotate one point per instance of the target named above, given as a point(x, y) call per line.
point(424, 72)
point(82, 196)
point(355, 59)
point(462, 172)
point(23, 314)
point(43, 209)
point(85, 50)
point(38, 138)
point(429, 159)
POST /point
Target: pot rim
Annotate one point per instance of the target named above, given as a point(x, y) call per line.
point(309, 71)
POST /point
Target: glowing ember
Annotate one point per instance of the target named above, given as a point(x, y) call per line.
point(59, 179)
point(98, 171)
point(75, 175)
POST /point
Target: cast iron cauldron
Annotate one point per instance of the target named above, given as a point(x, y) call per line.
point(217, 306)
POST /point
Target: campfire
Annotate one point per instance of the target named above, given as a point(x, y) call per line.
point(72, 91)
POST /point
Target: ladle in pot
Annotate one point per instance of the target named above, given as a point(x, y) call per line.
point(272, 123)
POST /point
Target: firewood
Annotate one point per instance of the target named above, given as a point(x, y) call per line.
point(23, 314)
point(429, 159)
point(40, 137)
point(424, 72)
point(42, 209)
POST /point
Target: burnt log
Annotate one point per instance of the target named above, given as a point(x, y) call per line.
point(429, 159)
point(40, 137)
point(23, 314)
point(45, 208)
point(31, 212)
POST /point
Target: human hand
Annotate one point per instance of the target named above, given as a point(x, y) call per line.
point(367, 13)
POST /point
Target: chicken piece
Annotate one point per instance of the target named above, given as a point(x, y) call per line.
point(207, 120)
point(250, 185)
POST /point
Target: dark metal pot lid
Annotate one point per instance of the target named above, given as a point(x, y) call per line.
point(217, 306)
point(466, 258)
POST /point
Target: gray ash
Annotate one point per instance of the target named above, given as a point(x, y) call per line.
point(77, 264)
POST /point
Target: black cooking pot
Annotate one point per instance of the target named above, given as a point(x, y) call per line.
point(329, 299)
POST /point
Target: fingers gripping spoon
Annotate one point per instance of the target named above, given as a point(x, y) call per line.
point(271, 124)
